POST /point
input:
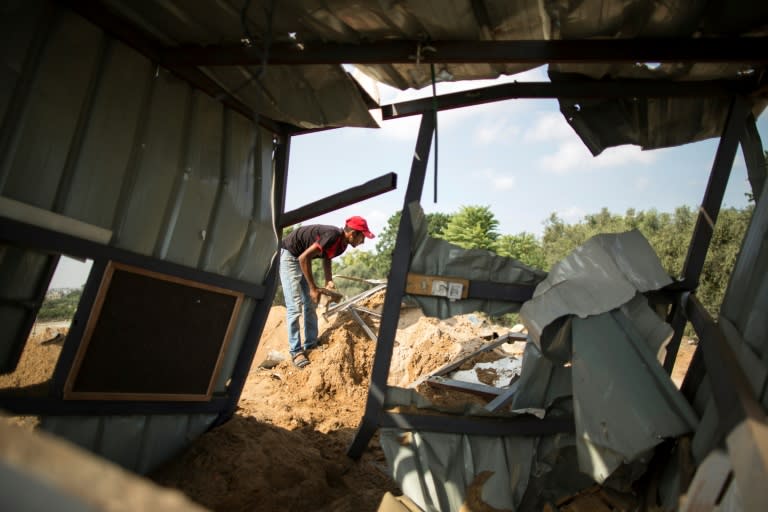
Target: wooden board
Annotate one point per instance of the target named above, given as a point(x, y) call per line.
point(152, 336)
point(437, 286)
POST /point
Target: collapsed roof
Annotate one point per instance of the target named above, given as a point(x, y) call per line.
point(282, 61)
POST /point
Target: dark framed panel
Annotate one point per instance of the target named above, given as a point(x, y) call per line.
point(152, 336)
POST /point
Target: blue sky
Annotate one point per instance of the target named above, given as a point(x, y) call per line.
point(518, 157)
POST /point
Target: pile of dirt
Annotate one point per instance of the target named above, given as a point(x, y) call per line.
point(285, 449)
point(37, 361)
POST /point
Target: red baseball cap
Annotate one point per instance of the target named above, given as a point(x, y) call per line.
point(358, 224)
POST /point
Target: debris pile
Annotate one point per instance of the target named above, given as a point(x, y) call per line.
point(285, 449)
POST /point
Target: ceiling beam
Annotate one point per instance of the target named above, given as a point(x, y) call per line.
point(731, 49)
point(117, 27)
point(582, 89)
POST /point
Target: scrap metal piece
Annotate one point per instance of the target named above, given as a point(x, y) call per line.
point(353, 312)
point(482, 390)
point(353, 300)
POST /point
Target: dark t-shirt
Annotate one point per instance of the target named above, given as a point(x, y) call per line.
point(329, 239)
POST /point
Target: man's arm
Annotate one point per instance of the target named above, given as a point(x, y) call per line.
point(328, 273)
point(305, 262)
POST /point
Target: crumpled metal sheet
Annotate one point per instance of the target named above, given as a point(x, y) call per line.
point(439, 471)
point(624, 401)
point(650, 123)
point(315, 96)
point(599, 275)
point(309, 97)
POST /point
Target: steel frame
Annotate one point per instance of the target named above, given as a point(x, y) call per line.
point(341, 199)
point(183, 62)
point(720, 49)
point(44, 240)
point(375, 416)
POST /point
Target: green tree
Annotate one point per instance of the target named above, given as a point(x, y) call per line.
point(354, 264)
point(669, 235)
point(385, 244)
point(523, 247)
point(472, 227)
point(60, 308)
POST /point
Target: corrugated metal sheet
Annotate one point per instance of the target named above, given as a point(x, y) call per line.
point(743, 322)
point(601, 274)
point(305, 96)
point(99, 133)
point(111, 140)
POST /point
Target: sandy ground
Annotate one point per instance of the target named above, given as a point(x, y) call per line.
point(285, 448)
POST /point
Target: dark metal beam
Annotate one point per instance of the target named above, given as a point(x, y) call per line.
point(732, 393)
point(489, 290)
point(401, 257)
point(713, 195)
point(41, 406)
point(250, 345)
point(525, 425)
point(77, 329)
point(344, 198)
point(752, 148)
point(45, 240)
point(724, 49)
point(100, 15)
point(705, 222)
point(585, 89)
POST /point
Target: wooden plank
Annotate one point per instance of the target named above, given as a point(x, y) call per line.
point(437, 286)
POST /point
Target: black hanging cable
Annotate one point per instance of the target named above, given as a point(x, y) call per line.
point(434, 113)
point(248, 40)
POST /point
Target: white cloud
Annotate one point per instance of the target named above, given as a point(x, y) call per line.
point(498, 180)
point(574, 156)
point(498, 129)
point(550, 126)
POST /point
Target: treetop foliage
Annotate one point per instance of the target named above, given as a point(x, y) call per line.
point(476, 227)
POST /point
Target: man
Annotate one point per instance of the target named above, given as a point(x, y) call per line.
point(301, 293)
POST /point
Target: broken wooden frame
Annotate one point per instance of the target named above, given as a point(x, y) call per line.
point(499, 396)
point(374, 415)
point(122, 359)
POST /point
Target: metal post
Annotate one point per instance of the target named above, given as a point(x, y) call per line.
point(401, 257)
point(708, 212)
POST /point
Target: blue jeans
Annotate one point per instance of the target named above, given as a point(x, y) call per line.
point(297, 300)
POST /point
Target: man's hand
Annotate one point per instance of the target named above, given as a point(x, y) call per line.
point(314, 294)
point(330, 285)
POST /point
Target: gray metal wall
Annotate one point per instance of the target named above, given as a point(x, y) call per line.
point(744, 323)
point(94, 131)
